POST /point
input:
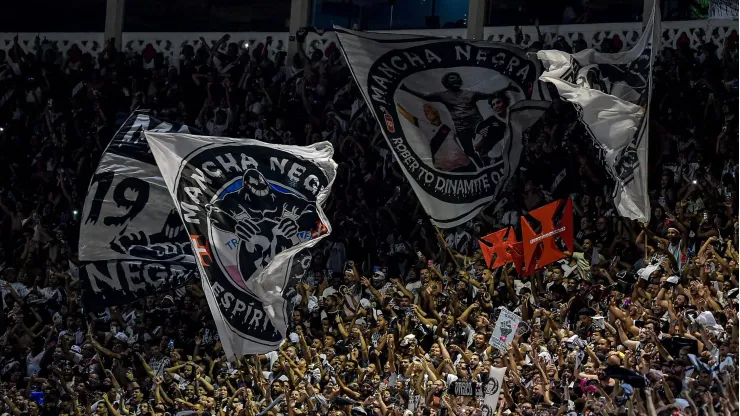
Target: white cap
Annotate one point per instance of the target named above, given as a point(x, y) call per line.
point(408, 339)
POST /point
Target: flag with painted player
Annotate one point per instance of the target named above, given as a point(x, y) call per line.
point(455, 113)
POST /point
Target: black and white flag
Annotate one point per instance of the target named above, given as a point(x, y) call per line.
point(132, 241)
point(454, 113)
point(611, 93)
point(491, 390)
point(250, 210)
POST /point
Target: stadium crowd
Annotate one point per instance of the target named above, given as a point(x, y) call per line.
point(641, 319)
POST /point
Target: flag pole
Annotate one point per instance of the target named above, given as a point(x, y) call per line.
point(646, 243)
point(444, 242)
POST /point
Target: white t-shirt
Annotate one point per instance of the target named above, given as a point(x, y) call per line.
point(727, 361)
point(18, 287)
point(415, 288)
point(351, 300)
point(219, 129)
point(33, 364)
point(216, 129)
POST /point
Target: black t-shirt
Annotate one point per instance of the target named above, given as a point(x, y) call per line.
point(495, 130)
point(158, 316)
point(604, 238)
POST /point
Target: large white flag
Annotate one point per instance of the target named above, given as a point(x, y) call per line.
point(454, 113)
point(250, 210)
point(611, 92)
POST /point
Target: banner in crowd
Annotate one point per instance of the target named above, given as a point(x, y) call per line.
point(505, 329)
point(454, 113)
point(502, 247)
point(250, 209)
point(555, 223)
point(536, 249)
point(466, 389)
point(611, 93)
point(132, 241)
point(492, 390)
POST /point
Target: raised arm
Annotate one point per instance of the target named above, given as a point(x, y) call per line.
point(146, 366)
point(408, 116)
point(101, 349)
point(199, 377)
point(366, 283)
point(429, 96)
point(623, 337)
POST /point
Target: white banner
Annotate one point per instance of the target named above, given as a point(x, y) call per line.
point(611, 93)
point(492, 390)
point(454, 113)
point(505, 329)
point(250, 209)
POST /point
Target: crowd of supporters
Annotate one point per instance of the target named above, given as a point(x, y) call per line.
point(641, 319)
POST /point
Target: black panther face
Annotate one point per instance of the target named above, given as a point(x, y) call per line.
point(255, 183)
